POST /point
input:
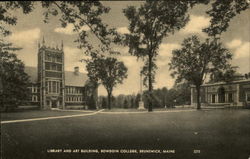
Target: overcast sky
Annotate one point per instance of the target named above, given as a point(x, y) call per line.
point(30, 29)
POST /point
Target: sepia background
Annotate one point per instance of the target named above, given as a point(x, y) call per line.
point(30, 30)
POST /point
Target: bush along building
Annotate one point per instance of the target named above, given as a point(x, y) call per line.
point(235, 93)
point(53, 87)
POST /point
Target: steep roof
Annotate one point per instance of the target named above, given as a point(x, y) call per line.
point(71, 78)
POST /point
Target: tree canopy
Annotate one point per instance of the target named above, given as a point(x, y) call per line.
point(221, 13)
point(196, 59)
point(14, 81)
point(148, 25)
point(108, 71)
point(79, 13)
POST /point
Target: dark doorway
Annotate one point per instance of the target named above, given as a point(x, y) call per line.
point(54, 105)
point(213, 98)
point(221, 93)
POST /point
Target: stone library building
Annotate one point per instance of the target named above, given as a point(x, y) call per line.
point(53, 87)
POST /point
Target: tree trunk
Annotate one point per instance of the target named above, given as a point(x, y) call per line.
point(109, 100)
point(198, 97)
point(150, 86)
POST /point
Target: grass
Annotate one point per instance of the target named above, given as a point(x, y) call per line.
point(217, 134)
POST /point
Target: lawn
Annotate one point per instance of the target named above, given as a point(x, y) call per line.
point(215, 133)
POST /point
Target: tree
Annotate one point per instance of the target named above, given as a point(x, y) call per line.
point(221, 14)
point(132, 102)
point(183, 93)
point(148, 25)
point(91, 102)
point(171, 97)
point(7, 18)
point(223, 75)
point(164, 92)
point(104, 103)
point(13, 79)
point(137, 100)
point(78, 13)
point(125, 104)
point(109, 71)
point(197, 59)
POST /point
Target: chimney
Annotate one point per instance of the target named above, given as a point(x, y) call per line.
point(76, 70)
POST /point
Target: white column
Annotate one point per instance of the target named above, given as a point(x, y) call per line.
point(226, 97)
point(48, 87)
point(237, 95)
point(216, 98)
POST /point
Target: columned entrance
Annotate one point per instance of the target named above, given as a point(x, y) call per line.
point(221, 93)
point(54, 104)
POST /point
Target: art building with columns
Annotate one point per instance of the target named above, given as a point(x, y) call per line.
point(53, 87)
point(235, 93)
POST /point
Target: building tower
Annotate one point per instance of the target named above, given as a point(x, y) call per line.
point(51, 78)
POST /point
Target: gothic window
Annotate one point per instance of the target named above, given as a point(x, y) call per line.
point(58, 89)
point(47, 66)
point(59, 59)
point(48, 57)
point(34, 98)
point(54, 67)
point(47, 86)
point(59, 67)
point(53, 59)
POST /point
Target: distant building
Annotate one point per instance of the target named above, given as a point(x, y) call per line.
point(235, 93)
point(53, 87)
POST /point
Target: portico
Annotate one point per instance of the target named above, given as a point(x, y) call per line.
point(236, 93)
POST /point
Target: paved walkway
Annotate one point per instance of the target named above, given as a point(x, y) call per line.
point(92, 113)
point(48, 118)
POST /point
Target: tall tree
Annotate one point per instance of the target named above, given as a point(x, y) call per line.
point(183, 93)
point(108, 71)
point(197, 59)
point(125, 104)
point(132, 102)
point(14, 81)
point(148, 25)
point(104, 103)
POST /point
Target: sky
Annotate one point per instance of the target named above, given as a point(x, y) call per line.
point(30, 30)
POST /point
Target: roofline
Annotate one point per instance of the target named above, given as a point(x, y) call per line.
point(223, 83)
